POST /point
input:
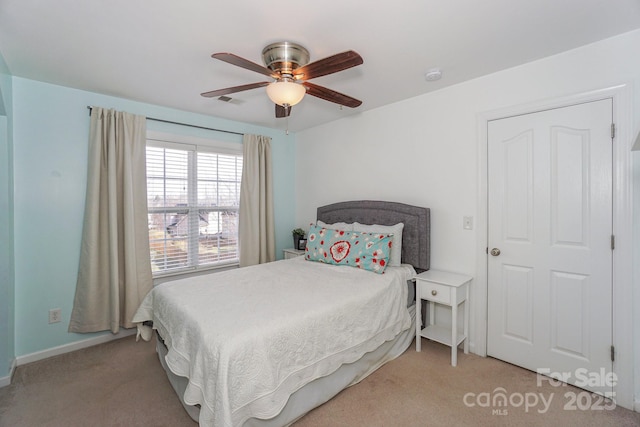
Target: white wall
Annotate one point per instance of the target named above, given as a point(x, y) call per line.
point(636, 271)
point(424, 151)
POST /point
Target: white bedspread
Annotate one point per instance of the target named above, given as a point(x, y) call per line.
point(248, 338)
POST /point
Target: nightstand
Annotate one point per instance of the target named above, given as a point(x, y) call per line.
point(446, 288)
point(292, 253)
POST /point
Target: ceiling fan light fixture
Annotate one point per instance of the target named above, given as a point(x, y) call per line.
point(288, 65)
point(286, 93)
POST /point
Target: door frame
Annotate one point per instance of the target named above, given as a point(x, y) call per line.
point(622, 301)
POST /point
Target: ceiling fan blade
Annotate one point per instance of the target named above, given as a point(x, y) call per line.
point(244, 63)
point(228, 90)
point(329, 65)
point(331, 95)
point(282, 111)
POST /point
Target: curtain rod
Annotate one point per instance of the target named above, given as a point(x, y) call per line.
point(183, 124)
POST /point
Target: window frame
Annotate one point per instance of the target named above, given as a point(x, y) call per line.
point(193, 145)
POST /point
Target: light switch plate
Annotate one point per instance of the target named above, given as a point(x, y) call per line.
point(467, 223)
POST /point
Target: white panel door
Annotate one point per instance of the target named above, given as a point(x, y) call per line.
point(550, 217)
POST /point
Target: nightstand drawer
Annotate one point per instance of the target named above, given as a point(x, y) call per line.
point(434, 292)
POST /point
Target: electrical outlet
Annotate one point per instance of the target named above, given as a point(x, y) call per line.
point(467, 223)
point(55, 315)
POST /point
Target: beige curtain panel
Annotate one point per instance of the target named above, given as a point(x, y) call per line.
point(256, 223)
point(115, 268)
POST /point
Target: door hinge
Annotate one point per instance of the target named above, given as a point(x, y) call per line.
point(613, 242)
point(613, 130)
point(487, 250)
point(613, 353)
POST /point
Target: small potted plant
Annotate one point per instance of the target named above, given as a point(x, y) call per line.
point(298, 234)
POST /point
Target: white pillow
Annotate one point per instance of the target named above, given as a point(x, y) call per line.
point(336, 226)
point(396, 249)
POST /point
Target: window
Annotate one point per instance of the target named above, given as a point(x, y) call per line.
point(193, 195)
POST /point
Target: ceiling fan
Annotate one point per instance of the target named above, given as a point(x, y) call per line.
point(288, 64)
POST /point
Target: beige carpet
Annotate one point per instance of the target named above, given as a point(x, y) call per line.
point(121, 383)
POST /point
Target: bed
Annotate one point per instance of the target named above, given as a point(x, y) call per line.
point(263, 345)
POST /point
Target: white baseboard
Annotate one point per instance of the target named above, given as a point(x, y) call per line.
point(78, 345)
point(5, 381)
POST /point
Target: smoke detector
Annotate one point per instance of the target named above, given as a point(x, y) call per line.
point(433, 74)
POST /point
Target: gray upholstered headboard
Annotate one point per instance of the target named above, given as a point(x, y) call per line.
point(415, 235)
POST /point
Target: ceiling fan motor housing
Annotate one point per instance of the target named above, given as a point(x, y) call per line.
point(285, 57)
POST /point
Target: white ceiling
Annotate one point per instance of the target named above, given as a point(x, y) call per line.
point(159, 51)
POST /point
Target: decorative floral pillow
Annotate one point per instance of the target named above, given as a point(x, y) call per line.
point(395, 257)
point(369, 251)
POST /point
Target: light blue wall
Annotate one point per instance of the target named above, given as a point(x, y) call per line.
point(7, 329)
point(51, 126)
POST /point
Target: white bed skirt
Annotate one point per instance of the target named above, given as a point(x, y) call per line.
point(318, 391)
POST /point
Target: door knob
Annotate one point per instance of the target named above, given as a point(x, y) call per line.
point(495, 251)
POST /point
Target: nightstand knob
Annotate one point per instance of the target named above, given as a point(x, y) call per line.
point(434, 292)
